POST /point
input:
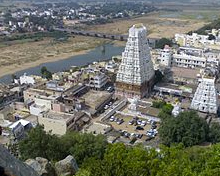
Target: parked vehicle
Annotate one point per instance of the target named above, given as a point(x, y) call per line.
point(139, 128)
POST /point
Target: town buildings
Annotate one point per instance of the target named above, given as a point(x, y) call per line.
point(136, 74)
point(196, 40)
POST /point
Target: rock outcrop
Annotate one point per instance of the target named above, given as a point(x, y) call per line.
point(9, 165)
point(42, 166)
point(66, 167)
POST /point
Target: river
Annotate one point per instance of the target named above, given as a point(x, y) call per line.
point(96, 54)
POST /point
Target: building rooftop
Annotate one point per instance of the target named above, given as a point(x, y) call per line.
point(185, 72)
point(96, 98)
point(62, 116)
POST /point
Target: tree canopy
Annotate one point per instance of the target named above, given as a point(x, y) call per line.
point(47, 74)
point(162, 42)
point(187, 128)
point(80, 145)
point(121, 160)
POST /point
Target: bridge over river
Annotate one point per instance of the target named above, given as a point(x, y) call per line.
point(120, 37)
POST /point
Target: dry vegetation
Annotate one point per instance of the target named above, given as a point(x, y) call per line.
point(158, 26)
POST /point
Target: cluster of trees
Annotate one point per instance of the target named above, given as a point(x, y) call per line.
point(35, 36)
point(45, 73)
point(213, 25)
point(121, 160)
point(54, 148)
point(120, 7)
point(96, 157)
point(165, 108)
point(162, 42)
point(187, 128)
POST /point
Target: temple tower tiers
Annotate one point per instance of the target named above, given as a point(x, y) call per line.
point(205, 98)
point(136, 72)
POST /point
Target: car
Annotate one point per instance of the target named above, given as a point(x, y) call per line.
point(131, 122)
point(139, 122)
point(116, 119)
point(127, 135)
point(106, 107)
point(112, 118)
point(133, 135)
point(143, 124)
point(139, 136)
point(153, 122)
point(153, 126)
point(110, 103)
point(120, 121)
point(139, 128)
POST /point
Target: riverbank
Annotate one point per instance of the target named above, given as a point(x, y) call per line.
point(25, 55)
point(89, 56)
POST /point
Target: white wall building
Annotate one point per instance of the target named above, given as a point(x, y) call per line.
point(194, 57)
point(97, 80)
point(205, 98)
point(24, 79)
point(165, 57)
point(196, 40)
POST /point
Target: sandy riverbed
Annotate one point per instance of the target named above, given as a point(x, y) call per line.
point(30, 54)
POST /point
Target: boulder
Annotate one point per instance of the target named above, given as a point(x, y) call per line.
point(66, 167)
point(9, 165)
point(41, 166)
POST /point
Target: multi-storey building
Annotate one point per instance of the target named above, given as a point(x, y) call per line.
point(136, 74)
point(97, 80)
point(205, 98)
point(195, 58)
point(165, 57)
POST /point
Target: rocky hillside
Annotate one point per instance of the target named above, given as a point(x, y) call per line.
point(9, 165)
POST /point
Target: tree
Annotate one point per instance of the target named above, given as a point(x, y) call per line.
point(41, 144)
point(187, 128)
point(162, 42)
point(47, 74)
point(43, 70)
point(214, 133)
point(84, 146)
point(158, 104)
point(121, 160)
point(167, 109)
point(81, 146)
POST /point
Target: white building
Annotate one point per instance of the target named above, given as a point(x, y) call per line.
point(196, 40)
point(136, 73)
point(37, 109)
point(189, 57)
point(97, 81)
point(165, 57)
point(205, 98)
point(24, 79)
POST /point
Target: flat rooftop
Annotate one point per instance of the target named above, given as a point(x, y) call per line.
point(96, 98)
point(62, 116)
point(185, 72)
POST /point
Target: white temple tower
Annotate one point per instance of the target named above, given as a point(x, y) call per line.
point(136, 73)
point(205, 98)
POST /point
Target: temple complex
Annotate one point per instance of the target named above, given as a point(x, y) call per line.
point(136, 73)
point(205, 98)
